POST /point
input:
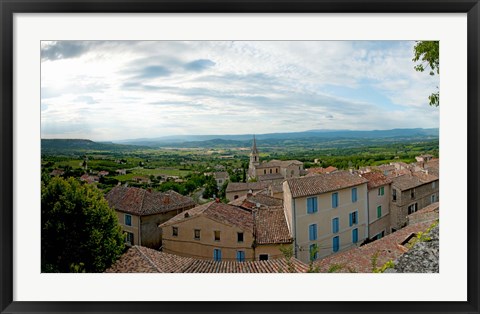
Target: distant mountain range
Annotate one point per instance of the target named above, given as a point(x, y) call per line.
point(311, 138)
point(229, 140)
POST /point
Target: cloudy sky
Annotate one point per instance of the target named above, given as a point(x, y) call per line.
point(111, 90)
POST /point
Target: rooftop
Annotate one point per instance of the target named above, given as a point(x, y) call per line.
point(360, 259)
point(322, 183)
point(250, 201)
point(271, 226)
point(219, 212)
point(245, 186)
point(140, 259)
point(279, 163)
point(141, 202)
point(376, 179)
point(412, 180)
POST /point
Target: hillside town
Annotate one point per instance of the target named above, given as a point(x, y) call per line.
point(283, 219)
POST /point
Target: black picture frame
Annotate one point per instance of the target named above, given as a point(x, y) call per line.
point(10, 7)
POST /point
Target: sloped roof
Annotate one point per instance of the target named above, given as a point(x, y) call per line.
point(250, 201)
point(144, 260)
point(412, 180)
point(245, 186)
point(278, 163)
point(322, 183)
point(360, 259)
point(220, 212)
point(376, 179)
point(141, 202)
point(271, 226)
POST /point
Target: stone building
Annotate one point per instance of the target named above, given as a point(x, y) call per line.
point(411, 192)
point(140, 212)
point(273, 170)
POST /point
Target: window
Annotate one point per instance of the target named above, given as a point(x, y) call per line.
point(334, 200)
point(355, 235)
point(235, 197)
point(353, 218)
point(263, 257)
point(335, 225)
point(239, 236)
point(175, 231)
point(354, 195)
point(128, 219)
point(311, 205)
point(433, 184)
point(381, 191)
point(433, 198)
point(394, 195)
point(197, 234)
point(379, 211)
point(241, 256)
point(276, 170)
point(270, 170)
point(313, 252)
point(217, 254)
point(312, 232)
point(336, 244)
point(219, 181)
point(129, 238)
point(412, 194)
point(264, 171)
point(216, 235)
point(412, 208)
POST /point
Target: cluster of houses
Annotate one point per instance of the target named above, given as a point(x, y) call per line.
point(323, 214)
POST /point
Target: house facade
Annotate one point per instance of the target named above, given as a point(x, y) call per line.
point(379, 191)
point(327, 213)
point(211, 231)
point(410, 193)
point(140, 212)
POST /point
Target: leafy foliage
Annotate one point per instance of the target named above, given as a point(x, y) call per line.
point(80, 232)
point(427, 52)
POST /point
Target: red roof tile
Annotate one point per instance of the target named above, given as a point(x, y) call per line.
point(141, 202)
point(271, 226)
point(322, 183)
point(376, 179)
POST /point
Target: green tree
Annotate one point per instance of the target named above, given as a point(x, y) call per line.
point(80, 232)
point(427, 52)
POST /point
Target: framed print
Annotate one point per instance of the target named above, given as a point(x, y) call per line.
point(239, 156)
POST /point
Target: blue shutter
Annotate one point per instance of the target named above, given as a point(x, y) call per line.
point(217, 254)
point(309, 206)
point(350, 216)
point(336, 244)
point(354, 195)
point(335, 200)
point(240, 256)
point(314, 204)
point(335, 225)
point(355, 235)
point(312, 232)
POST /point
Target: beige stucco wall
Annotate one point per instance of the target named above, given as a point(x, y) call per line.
point(323, 218)
point(185, 245)
point(269, 170)
point(134, 228)
point(295, 169)
point(377, 225)
point(273, 251)
point(423, 198)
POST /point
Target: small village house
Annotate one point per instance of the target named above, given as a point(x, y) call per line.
point(140, 212)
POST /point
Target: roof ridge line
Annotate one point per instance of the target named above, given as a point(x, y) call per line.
point(149, 260)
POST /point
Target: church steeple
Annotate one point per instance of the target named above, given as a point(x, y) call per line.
point(254, 160)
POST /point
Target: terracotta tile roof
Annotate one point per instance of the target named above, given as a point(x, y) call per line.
point(360, 259)
point(141, 202)
point(320, 170)
point(278, 163)
point(271, 226)
point(144, 260)
point(219, 212)
point(245, 186)
point(412, 180)
point(270, 176)
point(427, 213)
point(250, 201)
point(376, 179)
point(57, 172)
point(139, 259)
point(322, 183)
